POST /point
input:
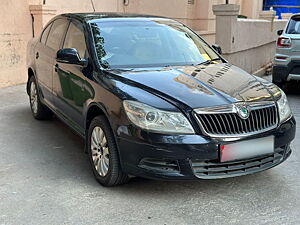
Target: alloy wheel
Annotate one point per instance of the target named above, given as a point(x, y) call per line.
point(100, 151)
point(33, 98)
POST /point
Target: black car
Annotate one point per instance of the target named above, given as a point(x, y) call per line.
point(152, 99)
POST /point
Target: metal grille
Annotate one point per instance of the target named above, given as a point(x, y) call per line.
point(230, 123)
point(191, 2)
point(213, 170)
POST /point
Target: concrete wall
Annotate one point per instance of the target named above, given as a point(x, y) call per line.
point(16, 24)
point(251, 8)
point(254, 44)
point(247, 43)
point(15, 31)
point(85, 5)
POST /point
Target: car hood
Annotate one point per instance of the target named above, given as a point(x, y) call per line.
point(202, 86)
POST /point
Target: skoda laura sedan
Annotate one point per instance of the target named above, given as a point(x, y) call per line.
point(152, 99)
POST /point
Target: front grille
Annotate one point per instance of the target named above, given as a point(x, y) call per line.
point(230, 123)
point(214, 170)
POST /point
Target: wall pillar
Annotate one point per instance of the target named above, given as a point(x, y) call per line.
point(226, 23)
point(41, 14)
point(286, 16)
point(268, 15)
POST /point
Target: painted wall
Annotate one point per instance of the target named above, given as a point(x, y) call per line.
point(15, 31)
point(253, 43)
point(16, 23)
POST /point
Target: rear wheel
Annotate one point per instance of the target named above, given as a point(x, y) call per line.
point(103, 154)
point(39, 111)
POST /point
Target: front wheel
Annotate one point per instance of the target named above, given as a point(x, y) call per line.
point(103, 154)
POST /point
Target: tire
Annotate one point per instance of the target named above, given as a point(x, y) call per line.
point(39, 111)
point(103, 154)
point(279, 84)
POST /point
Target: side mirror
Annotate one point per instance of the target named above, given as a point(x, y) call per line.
point(279, 32)
point(70, 56)
point(217, 48)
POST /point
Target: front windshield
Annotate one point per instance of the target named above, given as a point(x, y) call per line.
point(131, 44)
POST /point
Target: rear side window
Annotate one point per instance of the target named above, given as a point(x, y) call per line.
point(45, 34)
point(294, 26)
point(75, 39)
point(56, 33)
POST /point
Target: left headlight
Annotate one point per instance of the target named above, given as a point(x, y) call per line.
point(160, 121)
point(283, 108)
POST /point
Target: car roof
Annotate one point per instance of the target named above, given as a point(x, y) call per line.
point(295, 15)
point(111, 15)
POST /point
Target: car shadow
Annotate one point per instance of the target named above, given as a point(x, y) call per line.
point(59, 153)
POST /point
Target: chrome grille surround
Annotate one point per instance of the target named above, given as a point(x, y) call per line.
point(224, 121)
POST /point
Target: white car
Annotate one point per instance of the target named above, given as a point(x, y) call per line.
point(287, 59)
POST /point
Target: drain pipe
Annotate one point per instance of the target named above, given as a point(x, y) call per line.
point(92, 2)
point(32, 24)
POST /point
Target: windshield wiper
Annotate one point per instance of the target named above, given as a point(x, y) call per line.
point(208, 61)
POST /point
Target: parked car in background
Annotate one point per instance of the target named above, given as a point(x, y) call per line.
point(152, 99)
point(287, 59)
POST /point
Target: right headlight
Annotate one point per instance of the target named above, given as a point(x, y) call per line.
point(156, 120)
point(283, 108)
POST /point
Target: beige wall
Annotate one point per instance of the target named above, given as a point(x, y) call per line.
point(16, 24)
point(255, 44)
point(15, 31)
point(251, 8)
point(247, 43)
point(65, 6)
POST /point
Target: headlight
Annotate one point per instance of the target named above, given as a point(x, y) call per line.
point(283, 108)
point(152, 119)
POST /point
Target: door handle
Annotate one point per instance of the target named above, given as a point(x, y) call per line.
point(56, 67)
point(37, 55)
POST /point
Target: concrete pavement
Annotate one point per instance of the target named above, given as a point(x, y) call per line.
point(45, 178)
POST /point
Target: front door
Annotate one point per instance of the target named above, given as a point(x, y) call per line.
point(70, 86)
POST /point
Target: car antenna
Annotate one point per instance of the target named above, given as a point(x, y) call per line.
point(93, 5)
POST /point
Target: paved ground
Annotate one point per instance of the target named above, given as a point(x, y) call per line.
point(45, 178)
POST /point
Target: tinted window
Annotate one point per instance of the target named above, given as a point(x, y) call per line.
point(148, 44)
point(45, 34)
point(75, 39)
point(56, 33)
point(294, 26)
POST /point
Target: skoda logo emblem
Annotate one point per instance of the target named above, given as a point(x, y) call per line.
point(243, 112)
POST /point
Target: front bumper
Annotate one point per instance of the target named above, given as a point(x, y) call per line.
point(189, 157)
point(283, 73)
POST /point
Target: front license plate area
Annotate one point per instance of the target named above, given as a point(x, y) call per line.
point(247, 149)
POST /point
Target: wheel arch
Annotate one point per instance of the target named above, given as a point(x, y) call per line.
point(96, 109)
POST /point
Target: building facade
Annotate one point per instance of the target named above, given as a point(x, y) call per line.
point(23, 20)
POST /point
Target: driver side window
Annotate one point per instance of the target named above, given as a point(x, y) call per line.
point(75, 39)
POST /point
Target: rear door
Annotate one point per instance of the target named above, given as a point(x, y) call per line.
point(70, 87)
point(43, 65)
point(45, 54)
